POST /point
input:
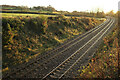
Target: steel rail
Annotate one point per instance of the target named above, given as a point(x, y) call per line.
point(74, 53)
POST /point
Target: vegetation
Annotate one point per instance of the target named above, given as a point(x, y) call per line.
point(27, 37)
point(25, 8)
point(42, 8)
point(105, 62)
point(89, 14)
point(24, 15)
point(50, 10)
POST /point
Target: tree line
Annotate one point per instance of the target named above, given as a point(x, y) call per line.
point(38, 8)
point(51, 9)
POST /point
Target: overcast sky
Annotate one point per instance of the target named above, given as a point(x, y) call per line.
point(68, 5)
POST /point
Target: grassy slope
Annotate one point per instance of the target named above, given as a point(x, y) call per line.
point(105, 63)
point(27, 37)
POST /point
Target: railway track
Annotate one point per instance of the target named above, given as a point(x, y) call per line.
point(53, 52)
point(66, 65)
point(63, 55)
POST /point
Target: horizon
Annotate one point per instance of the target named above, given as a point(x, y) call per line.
point(73, 5)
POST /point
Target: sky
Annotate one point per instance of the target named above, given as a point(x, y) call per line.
point(68, 5)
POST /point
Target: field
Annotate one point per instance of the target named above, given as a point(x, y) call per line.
point(24, 15)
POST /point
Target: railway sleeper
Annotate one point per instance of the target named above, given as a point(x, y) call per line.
point(56, 74)
point(61, 68)
point(57, 70)
point(52, 76)
point(71, 58)
point(69, 64)
point(65, 63)
point(68, 61)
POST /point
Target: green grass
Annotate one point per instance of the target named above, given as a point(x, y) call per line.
point(24, 15)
